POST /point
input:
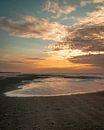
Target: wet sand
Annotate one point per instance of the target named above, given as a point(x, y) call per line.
point(76, 112)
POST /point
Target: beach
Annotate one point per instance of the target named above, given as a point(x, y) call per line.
point(70, 112)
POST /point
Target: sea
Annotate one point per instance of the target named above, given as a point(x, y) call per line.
point(57, 85)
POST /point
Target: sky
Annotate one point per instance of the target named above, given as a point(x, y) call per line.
point(52, 36)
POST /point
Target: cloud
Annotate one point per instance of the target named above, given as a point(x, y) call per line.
point(96, 60)
point(82, 39)
point(32, 27)
point(35, 59)
point(20, 64)
point(54, 7)
point(22, 60)
point(11, 62)
point(87, 35)
point(85, 2)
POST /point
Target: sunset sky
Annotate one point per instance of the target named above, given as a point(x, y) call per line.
point(52, 36)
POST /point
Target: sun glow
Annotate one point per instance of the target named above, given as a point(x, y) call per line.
point(69, 53)
point(53, 62)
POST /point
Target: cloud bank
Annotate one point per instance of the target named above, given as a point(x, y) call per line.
point(96, 60)
point(87, 35)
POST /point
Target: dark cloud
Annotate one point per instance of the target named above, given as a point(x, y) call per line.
point(87, 38)
point(96, 60)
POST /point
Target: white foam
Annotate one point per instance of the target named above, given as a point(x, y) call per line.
point(11, 94)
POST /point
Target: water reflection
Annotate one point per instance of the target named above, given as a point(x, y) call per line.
point(57, 86)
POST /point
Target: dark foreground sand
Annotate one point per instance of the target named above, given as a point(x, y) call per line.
point(77, 112)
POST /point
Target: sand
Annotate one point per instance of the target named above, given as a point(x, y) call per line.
point(75, 112)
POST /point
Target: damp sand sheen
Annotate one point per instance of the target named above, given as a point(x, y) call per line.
point(57, 86)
